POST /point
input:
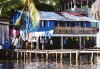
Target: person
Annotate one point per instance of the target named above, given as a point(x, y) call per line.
point(16, 42)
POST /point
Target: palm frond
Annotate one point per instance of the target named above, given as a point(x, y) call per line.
point(18, 21)
point(1, 9)
point(34, 14)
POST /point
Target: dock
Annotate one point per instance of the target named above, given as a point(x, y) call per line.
point(30, 54)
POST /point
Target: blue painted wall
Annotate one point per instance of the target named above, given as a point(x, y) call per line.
point(39, 28)
point(31, 28)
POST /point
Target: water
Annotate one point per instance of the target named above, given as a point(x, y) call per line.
point(40, 63)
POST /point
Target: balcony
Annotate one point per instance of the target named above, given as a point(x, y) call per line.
point(74, 30)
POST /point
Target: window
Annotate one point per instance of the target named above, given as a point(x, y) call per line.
point(56, 24)
point(61, 24)
point(43, 24)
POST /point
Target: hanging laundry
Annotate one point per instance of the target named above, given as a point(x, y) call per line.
point(51, 42)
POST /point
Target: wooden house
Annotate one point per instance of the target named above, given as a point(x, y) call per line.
point(4, 33)
point(60, 31)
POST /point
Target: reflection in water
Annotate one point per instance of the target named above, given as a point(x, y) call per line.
point(52, 63)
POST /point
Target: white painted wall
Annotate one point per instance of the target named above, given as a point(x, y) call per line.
point(98, 38)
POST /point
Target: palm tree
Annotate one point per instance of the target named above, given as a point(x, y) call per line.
point(25, 5)
point(48, 5)
point(7, 5)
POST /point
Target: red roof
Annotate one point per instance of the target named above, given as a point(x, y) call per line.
point(74, 13)
point(71, 13)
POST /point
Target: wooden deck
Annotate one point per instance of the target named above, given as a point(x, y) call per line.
point(30, 54)
point(60, 51)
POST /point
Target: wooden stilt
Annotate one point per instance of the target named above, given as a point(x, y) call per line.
point(46, 55)
point(12, 53)
point(37, 43)
point(24, 55)
point(56, 57)
point(56, 60)
point(61, 56)
point(91, 57)
point(62, 42)
point(21, 54)
point(6, 53)
point(30, 55)
point(70, 55)
point(80, 42)
point(43, 46)
point(77, 57)
point(17, 55)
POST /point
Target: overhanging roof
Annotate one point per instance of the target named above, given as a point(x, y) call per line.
point(77, 18)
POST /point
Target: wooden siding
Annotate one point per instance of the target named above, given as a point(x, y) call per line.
point(74, 30)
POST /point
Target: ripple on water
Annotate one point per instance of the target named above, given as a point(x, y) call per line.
point(84, 63)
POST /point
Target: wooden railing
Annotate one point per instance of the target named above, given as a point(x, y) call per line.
point(74, 30)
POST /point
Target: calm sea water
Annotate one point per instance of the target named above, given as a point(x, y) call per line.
point(37, 63)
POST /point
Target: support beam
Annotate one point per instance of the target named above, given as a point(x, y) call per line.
point(37, 42)
point(81, 3)
point(65, 6)
point(92, 58)
point(84, 41)
point(71, 4)
point(77, 57)
point(62, 42)
point(68, 5)
point(80, 42)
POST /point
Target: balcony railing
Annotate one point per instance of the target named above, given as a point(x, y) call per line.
point(74, 30)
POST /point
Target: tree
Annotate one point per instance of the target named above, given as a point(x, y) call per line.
point(48, 5)
point(25, 5)
point(96, 10)
point(8, 5)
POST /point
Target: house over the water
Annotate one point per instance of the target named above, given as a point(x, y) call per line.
point(4, 34)
point(60, 32)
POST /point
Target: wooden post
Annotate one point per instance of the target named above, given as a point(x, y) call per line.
point(64, 6)
point(21, 54)
point(84, 41)
point(24, 55)
point(70, 55)
point(80, 42)
point(46, 55)
point(31, 45)
point(61, 56)
point(6, 53)
point(77, 56)
point(36, 56)
point(62, 42)
point(68, 5)
point(56, 57)
point(91, 57)
point(43, 46)
point(71, 4)
point(37, 42)
point(17, 55)
point(81, 3)
point(42, 57)
point(12, 53)
point(30, 55)
point(56, 60)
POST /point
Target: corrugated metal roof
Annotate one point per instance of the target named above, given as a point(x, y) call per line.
point(47, 15)
point(50, 16)
point(77, 18)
